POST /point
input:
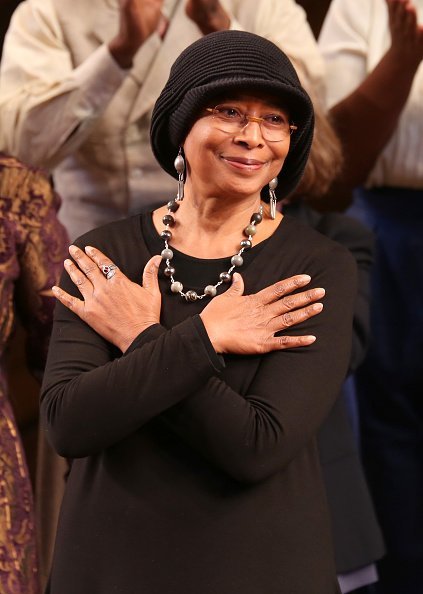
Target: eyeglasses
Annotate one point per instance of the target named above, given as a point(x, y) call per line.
point(274, 126)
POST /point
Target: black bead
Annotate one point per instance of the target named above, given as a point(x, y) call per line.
point(256, 218)
point(169, 271)
point(225, 277)
point(246, 244)
point(168, 220)
point(172, 206)
point(166, 234)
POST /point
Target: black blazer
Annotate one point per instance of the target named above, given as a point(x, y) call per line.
point(356, 533)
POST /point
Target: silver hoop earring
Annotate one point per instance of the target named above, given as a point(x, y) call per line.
point(179, 165)
point(273, 184)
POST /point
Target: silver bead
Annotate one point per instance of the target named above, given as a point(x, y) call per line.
point(273, 184)
point(169, 271)
point(179, 164)
point(210, 290)
point(176, 287)
point(250, 230)
point(191, 296)
point(225, 277)
point(237, 260)
point(167, 254)
point(246, 244)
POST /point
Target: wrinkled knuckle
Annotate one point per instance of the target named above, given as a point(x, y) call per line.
point(279, 289)
point(289, 302)
point(284, 340)
point(288, 319)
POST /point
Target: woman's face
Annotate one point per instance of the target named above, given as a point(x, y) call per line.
point(240, 161)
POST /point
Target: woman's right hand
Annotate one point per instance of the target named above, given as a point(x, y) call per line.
point(247, 324)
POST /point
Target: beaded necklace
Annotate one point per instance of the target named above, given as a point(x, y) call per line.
point(224, 277)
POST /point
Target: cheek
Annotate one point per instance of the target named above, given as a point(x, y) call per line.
point(200, 150)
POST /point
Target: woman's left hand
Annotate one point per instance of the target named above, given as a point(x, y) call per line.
point(118, 309)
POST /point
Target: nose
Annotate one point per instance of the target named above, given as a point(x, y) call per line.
point(250, 134)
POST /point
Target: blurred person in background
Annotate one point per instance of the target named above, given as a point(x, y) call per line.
point(356, 533)
point(373, 51)
point(32, 244)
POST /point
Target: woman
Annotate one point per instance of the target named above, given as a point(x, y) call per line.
point(190, 418)
point(32, 244)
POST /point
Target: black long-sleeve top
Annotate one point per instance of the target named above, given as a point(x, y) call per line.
point(193, 475)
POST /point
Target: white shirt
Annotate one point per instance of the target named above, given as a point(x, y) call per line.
point(354, 37)
point(66, 105)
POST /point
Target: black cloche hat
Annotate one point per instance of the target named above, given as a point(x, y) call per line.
point(215, 65)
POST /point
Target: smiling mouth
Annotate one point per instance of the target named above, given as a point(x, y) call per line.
point(243, 163)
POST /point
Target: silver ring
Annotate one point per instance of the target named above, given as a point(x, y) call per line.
point(109, 270)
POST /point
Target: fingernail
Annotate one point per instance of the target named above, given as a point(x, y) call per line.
point(319, 292)
point(311, 338)
point(89, 250)
point(305, 278)
point(55, 290)
point(317, 306)
point(73, 249)
point(67, 262)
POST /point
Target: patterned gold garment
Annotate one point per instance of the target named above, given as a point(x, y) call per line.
point(32, 247)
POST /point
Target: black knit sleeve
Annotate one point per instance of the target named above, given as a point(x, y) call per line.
point(92, 395)
point(253, 436)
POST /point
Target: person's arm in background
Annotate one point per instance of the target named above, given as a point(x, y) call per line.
point(365, 107)
point(48, 107)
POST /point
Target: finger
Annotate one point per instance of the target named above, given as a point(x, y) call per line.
point(280, 343)
point(150, 274)
point(86, 264)
point(78, 278)
point(282, 288)
point(100, 261)
point(237, 285)
point(72, 303)
point(295, 301)
point(292, 318)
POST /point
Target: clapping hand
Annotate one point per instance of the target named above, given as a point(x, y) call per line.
point(209, 15)
point(138, 20)
point(406, 33)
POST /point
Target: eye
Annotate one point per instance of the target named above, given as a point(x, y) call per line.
point(228, 112)
point(275, 119)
